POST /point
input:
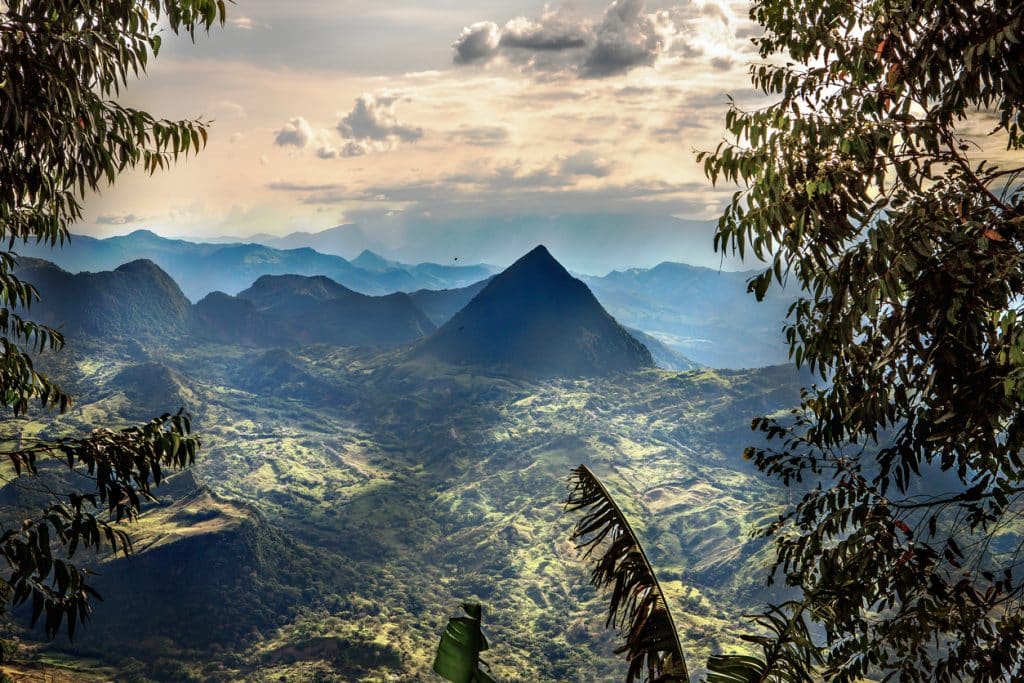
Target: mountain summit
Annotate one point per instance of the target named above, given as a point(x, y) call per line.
point(537, 318)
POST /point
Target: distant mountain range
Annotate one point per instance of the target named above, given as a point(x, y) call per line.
point(702, 313)
point(586, 243)
point(533, 318)
point(537, 317)
point(313, 310)
point(201, 268)
point(705, 314)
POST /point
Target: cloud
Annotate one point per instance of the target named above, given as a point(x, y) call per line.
point(625, 37)
point(722, 63)
point(477, 43)
point(480, 136)
point(284, 186)
point(552, 31)
point(296, 133)
point(227, 108)
point(506, 189)
point(585, 163)
point(327, 151)
point(244, 23)
point(372, 126)
point(118, 219)
point(373, 118)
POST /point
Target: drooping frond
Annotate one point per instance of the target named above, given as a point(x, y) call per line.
point(638, 607)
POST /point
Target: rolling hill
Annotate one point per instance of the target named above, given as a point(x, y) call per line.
point(318, 310)
point(347, 497)
point(137, 300)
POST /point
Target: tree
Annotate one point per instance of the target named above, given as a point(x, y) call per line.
point(862, 184)
point(62, 134)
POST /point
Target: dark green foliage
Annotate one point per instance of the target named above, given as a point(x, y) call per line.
point(228, 319)
point(125, 465)
point(458, 652)
point(862, 184)
point(637, 604)
point(61, 136)
point(535, 318)
point(212, 588)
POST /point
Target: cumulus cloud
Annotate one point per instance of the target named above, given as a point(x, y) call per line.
point(296, 133)
point(554, 31)
point(476, 43)
point(373, 118)
point(372, 125)
point(327, 151)
point(626, 36)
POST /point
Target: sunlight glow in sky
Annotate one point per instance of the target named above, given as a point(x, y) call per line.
point(332, 112)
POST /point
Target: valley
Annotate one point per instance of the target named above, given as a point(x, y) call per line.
point(347, 498)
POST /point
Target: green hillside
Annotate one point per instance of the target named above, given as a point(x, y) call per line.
point(403, 486)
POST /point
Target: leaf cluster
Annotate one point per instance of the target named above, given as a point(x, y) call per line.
point(62, 134)
point(861, 185)
point(123, 466)
point(458, 652)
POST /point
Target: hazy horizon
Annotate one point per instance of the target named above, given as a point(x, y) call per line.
point(326, 115)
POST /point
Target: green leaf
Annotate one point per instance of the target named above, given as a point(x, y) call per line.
point(458, 652)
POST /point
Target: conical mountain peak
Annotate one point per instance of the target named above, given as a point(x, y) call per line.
point(539, 259)
point(537, 318)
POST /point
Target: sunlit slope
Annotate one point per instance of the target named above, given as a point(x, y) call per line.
point(428, 484)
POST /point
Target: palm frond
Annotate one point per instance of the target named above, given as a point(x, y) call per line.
point(637, 608)
point(788, 652)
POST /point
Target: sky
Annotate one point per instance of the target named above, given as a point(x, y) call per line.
point(325, 113)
